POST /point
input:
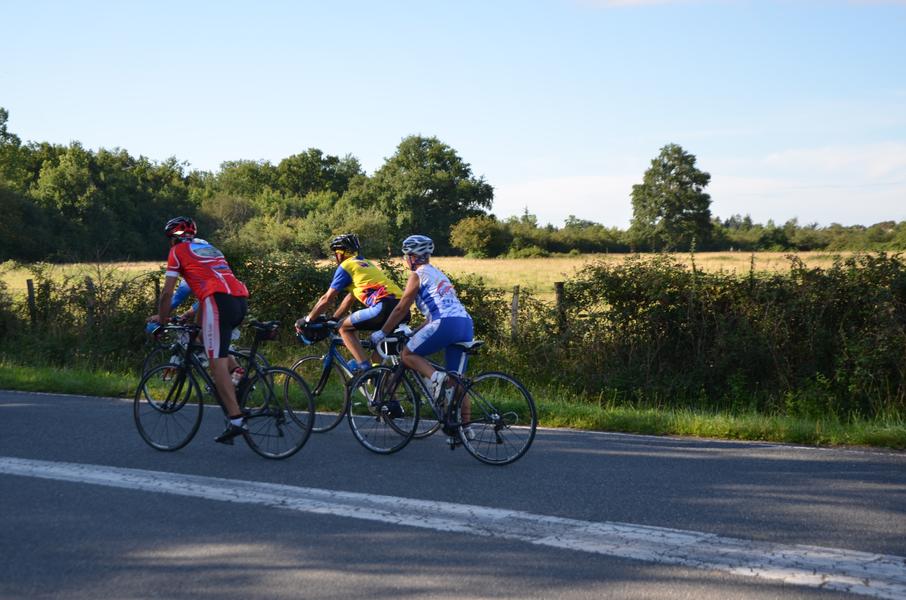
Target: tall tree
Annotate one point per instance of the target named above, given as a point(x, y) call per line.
point(312, 171)
point(425, 188)
point(670, 210)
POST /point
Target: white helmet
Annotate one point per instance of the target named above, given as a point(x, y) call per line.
point(419, 245)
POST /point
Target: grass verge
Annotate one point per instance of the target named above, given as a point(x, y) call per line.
point(883, 432)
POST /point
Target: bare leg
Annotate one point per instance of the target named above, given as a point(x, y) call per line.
point(347, 332)
point(225, 389)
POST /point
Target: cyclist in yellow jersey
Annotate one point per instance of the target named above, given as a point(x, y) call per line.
point(363, 282)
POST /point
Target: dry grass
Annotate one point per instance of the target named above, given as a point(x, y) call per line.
point(15, 277)
point(539, 274)
point(535, 274)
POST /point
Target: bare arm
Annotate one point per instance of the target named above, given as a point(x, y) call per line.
point(344, 306)
point(166, 297)
point(328, 296)
point(400, 310)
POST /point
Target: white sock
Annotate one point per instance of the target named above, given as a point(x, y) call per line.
point(236, 422)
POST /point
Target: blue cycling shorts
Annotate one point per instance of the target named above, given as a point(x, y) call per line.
point(438, 335)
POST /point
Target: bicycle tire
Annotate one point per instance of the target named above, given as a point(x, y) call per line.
point(369, 412)
point(165, 413)
point(158, 355)
point(328, 389)
point(279, 411)
point(503, 418)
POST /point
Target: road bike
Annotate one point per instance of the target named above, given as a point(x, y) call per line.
point(276, 402)
point(168, 347)
point(492, 415)
point(327, 375)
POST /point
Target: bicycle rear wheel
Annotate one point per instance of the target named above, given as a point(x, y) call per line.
point(327, 387)
point(382, 420)
point(279, 411)
point(501, 419)
point(158, 355)
point(167, 408)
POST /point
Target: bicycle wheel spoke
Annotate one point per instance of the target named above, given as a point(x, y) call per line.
point(279, 412)
point(167, 408)
point(328, 389)
point(382, 417)
point(499, 419)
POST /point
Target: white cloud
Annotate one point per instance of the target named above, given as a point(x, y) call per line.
point(872, 161)
point(781, 199)
point(603, 199)
point(858, 184)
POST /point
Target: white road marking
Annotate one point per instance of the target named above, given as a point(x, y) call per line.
point(876, 575)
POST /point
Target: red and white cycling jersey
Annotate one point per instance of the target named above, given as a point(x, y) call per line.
point(204, 268)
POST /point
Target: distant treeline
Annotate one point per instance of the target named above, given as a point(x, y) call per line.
point(68, 203)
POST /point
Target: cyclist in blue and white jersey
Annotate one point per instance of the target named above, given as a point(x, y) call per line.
point(448, 321)
point(180, 294)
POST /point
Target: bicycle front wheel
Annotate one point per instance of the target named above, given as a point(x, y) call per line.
point(382, 417)
point(498, 419)
point(167, 408)
point(279, 411)
point(329, 389)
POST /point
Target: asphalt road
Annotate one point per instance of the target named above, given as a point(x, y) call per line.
point(65, 537)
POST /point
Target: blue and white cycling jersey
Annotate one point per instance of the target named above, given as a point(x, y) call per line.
point(436, 297)
point(179, 296)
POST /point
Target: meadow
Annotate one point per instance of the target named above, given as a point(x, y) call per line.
point(639, 344)
point(537, 275)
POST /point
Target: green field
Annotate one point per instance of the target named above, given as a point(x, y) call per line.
point(534, 274)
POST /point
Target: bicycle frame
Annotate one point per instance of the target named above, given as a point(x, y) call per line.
point(189, 353)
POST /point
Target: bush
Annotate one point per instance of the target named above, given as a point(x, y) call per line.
point(646, 332)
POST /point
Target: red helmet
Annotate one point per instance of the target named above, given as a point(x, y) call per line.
point(180, 227)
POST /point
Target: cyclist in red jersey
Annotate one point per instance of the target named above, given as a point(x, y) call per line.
point(223, 303)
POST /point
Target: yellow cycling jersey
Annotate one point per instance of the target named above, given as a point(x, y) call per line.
point(366, 282)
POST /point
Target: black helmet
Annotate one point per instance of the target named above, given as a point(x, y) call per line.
point(348, 242)
point(180, 227)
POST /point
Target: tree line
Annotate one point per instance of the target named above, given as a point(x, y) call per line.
point(67, 203)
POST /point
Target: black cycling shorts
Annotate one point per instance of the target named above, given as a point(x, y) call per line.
point(220, 314)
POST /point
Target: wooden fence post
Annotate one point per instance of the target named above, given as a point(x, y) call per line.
point(90, 302)
point(561, 307)
point(32, 305)
point(514, 315)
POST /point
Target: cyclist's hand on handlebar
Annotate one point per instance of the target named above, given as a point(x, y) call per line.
point(377, 337)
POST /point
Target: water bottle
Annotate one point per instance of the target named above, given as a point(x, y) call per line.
point(238, 372)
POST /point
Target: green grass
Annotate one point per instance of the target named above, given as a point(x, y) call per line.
point(66, 380)
point(885, 432)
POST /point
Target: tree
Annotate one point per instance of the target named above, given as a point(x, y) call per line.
point(670, 209)
point(11, 169)
point(312, 171)
point(425, 188)
point(480, 236)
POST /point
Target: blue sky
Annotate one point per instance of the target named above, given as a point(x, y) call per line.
point(797, 108)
